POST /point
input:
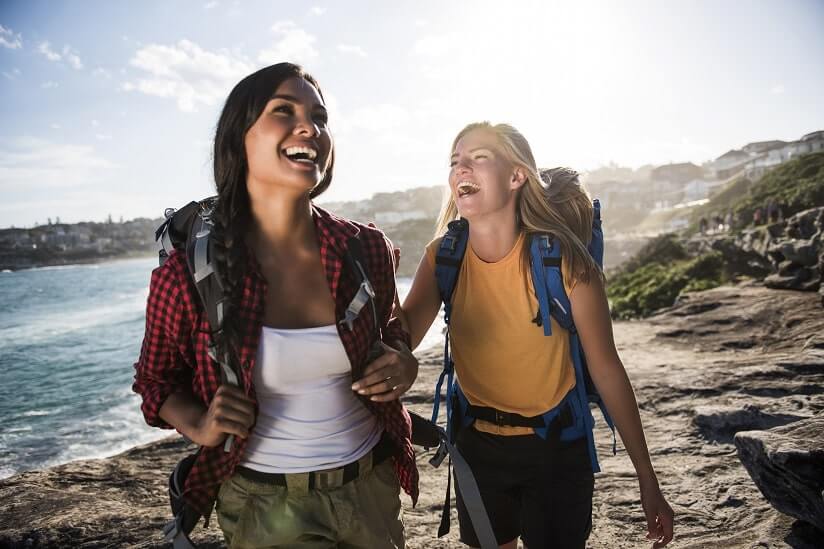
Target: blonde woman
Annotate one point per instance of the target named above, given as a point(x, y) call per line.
point(539, 489)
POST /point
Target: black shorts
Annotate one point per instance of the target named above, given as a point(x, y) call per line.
point(540, 490)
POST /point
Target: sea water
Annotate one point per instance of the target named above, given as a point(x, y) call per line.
point(69, 337)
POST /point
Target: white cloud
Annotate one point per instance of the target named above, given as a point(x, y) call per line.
point(350, 48)
point(95, 124)
point(317, 10)
point(72, 58)
point(45, 49)
point(210, 5)
point(68, 55)
point(13, 74)
point(55, 126)
point(778, 89)
point(293, 44)
point(102, 73)
point(187, 73)
point(8, 39)
point(49, 85)
point(35, 164)
point(103, 136)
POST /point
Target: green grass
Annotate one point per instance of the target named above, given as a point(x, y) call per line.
point(655, 277)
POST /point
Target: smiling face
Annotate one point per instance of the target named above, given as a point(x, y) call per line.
point(289, 145)
point(481, 178)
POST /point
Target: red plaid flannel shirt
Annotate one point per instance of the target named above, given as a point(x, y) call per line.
point(174, 356)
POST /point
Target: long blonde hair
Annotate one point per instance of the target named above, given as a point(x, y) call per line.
point(556, 204)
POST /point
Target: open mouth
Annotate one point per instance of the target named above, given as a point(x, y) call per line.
point(466, 188)
point(304, 155)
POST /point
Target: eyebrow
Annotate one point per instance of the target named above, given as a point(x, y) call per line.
point(293, 99)
point(473, 150)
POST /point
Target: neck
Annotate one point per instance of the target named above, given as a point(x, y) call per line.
point(493, 235)
point(281, 222)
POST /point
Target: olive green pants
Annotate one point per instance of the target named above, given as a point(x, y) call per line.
point(364, 513)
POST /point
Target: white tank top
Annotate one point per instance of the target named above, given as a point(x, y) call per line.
point(309, 418)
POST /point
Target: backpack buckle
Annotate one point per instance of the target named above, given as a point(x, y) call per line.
point(546, 242)
point(450, 242)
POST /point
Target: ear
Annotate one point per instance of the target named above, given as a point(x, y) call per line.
point(518, 179)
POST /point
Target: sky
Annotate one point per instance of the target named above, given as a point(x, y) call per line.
point(110, 107)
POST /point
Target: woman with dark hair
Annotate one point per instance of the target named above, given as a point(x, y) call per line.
point(313, 463)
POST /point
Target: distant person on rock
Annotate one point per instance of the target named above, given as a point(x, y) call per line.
point(702, 225)
point(535, 482)
point(309, 462)
point(757, 216)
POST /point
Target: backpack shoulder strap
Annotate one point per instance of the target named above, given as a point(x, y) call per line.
point(448, 261)
point(548, 280)
point(189, 230)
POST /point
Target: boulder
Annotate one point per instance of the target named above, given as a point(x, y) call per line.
point(787, 465)
point(806, 224)
point(804, 278)
point(720, 423)
point(803, 252)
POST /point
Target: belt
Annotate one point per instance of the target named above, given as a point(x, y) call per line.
point(327, 478)
point(511, 419)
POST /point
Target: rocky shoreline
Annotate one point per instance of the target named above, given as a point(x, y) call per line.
point(736, 359)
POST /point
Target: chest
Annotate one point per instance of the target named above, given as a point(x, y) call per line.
point(298, 294)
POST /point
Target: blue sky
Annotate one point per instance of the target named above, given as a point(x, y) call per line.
point(110, 107)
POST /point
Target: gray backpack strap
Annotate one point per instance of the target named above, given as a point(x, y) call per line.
point(428, 434)
point(173, 532)
point(471, 495)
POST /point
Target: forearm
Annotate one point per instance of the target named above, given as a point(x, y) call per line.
point(185, 413)
point(616, 390)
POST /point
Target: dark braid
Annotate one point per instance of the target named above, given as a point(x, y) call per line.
point(232, 214)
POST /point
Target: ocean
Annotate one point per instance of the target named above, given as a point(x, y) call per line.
point(69, 337)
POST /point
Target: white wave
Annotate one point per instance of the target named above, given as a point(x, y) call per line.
point(63, 267)
point(31, 413)
point(46, 327)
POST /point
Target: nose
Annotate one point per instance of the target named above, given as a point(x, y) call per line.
point(306, 125)
point(462, 167)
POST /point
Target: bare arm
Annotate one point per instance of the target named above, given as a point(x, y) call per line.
point(589, 302)
point(230, 412)
point(422, 304)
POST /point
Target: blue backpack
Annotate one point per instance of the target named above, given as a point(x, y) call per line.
point(545, 258)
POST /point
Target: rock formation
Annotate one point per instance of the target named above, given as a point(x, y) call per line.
point(787, 465)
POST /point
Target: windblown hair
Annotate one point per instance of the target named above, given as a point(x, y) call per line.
point(552, 201)
point(232, 215)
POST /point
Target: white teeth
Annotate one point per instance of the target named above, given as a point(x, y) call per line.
point(310, 153)
point(467, 187)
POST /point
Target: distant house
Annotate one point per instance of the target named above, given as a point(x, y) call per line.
point(677, 173)
point(810, 143)
point(762, 146)
point(699, 189)
point(668, 183)
point(729, 163)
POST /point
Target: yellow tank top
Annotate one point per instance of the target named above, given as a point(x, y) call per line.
point(502, 359)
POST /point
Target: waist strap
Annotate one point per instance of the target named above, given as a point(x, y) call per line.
point(511, 419)
point(325, 479)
